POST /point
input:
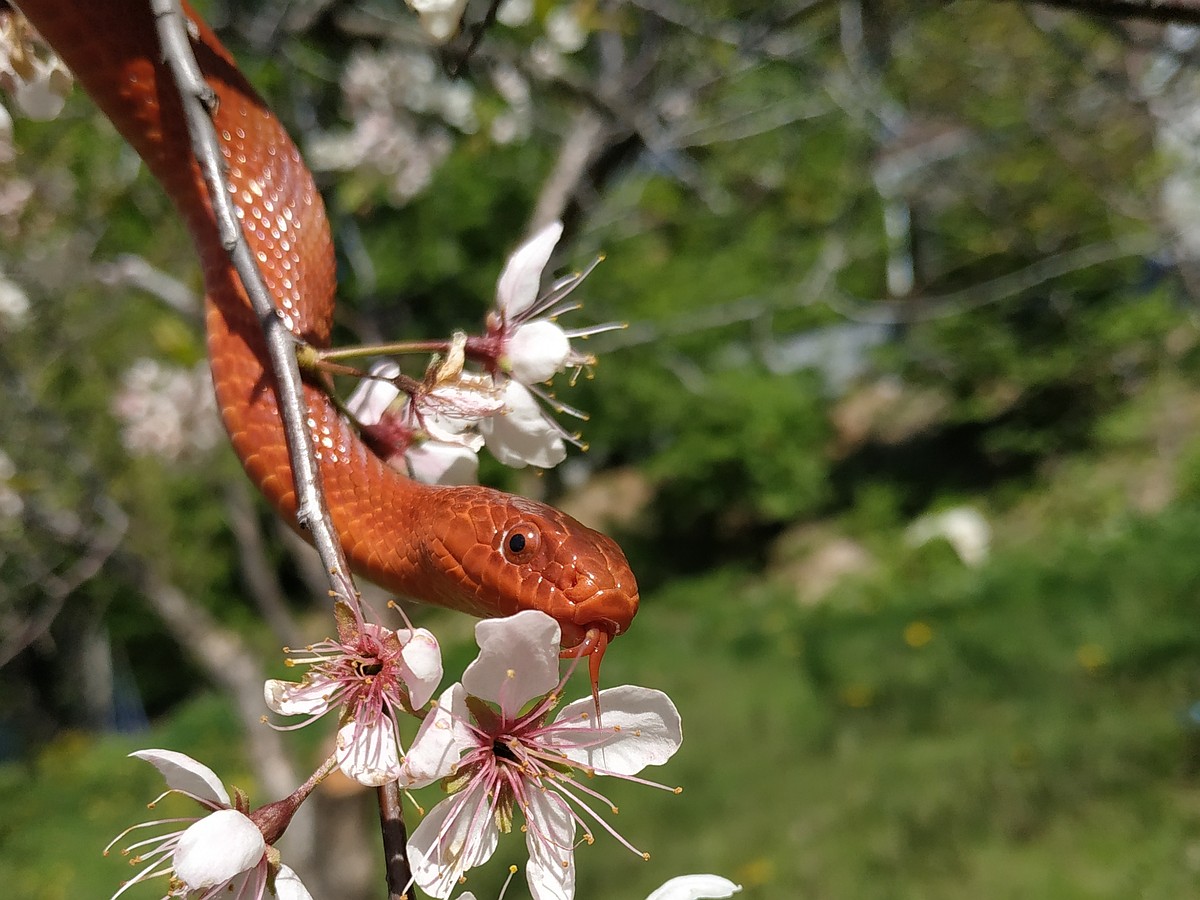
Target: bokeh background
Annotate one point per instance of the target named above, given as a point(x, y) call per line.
point(901, 440)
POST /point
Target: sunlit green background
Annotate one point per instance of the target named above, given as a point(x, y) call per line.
point(865, 715)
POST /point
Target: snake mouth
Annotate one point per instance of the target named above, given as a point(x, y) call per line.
point(592, 643)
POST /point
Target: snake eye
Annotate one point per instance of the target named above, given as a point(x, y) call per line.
point(521, 542)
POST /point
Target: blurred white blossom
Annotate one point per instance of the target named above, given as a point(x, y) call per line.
point(515, 122)
point(963, 527)
point(439, 18)
point(398, 103)
point(514, 13)
point(29, 72)
point(11, 503)
point(564, 29)
point(14, 305)
point(166, 411)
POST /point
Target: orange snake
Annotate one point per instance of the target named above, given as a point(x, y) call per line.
point(443, 545)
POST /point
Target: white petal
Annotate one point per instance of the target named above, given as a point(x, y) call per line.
point(551, 842)
point(462, 404)
point(218, 847)
point(457, 835)
point(39, 99)
point(518, 660)
point(297, 698)
point(518, 285)
point(437, 462)
point(423, 658)
point(288, 885)
point(537, 351)
point(696, 887)
point(439, 18)
point(368, 751)
point(643, 725)
point(185, 774)
point(370, 400)
point(440, 742)
point(522, 435)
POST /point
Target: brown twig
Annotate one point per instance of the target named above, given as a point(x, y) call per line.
point(395, 838)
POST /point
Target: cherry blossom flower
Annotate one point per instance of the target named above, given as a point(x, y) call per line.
point(695, 887)
point(372, 676)
point(491, 738)
point(224, 849)
point(532, 347)
point(525, 342)
point(167, 411)
point(432, 436)
point(34, 76)
point(439, 18)
point(683, 887)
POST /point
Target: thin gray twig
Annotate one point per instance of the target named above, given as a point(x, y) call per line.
point(198, 103)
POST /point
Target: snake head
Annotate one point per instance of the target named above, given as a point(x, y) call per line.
point(499, 554)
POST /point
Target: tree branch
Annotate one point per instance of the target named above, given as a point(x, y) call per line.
point(198, 100)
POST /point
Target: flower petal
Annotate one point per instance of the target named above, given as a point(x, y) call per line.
point(458, 834)
point(517, 288)
point(288, 885)
point(440, 742)
point(368, 751)
point(518, 660)
point(298, 698)
point(639, 727)
point(551, 841)
point(537, 351)
point(184, 774)
point(218, 847)
point(439, 462)
point(423, 658)
point(370, 400)
point(695, 887)
point(439, 18)
point(522, 435)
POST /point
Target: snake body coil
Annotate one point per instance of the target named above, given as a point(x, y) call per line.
point(444, 545)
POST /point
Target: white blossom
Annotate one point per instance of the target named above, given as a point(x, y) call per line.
point(221, 850)
point(695, 887)
point(34, 76)
point(531, 348)
point(439, 18)
point(166, 411)
point(371, 678)
point(491, 739)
